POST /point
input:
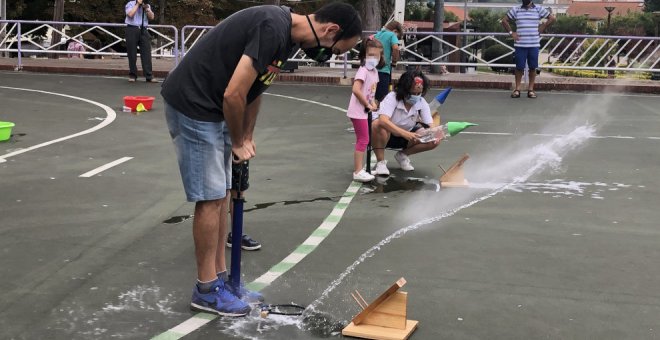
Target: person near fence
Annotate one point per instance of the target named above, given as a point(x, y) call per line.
point(75, 48)
point(138, 14)
point(363, 100)
point(527, 40)
point(401, 113)
point(211, 103)
point(388, 36)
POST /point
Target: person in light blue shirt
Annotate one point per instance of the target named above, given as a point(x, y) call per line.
point(138, 14)
point(389, 37)
point(527, 40)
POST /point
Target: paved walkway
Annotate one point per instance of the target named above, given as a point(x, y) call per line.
point(327, 75)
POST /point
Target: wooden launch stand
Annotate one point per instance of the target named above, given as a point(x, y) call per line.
point(383, 319)
point(454, 176)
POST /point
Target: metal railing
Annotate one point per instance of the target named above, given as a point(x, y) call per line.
point(461, 49)
point(558, 51)
point(14, 39)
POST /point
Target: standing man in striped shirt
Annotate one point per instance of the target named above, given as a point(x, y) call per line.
point(527, 39)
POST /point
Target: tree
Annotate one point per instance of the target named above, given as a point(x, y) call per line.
point(370, 13)
point(651, 5)
point(485, 20)
point(571, 25)
point(633, 24)
point(450, 17)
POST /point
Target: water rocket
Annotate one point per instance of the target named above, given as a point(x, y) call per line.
point(442, 96)
point(455, 127)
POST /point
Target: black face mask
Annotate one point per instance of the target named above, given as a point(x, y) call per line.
point(319, 53)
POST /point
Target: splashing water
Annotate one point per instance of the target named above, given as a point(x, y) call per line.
point(539, 158)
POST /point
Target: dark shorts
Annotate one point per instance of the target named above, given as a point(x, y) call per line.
point(244, 176)
point(396, 142)
point(383, 87)
point(528, 56)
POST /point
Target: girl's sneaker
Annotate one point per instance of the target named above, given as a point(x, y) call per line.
point(363, 176)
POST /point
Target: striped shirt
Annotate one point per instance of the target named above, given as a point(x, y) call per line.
point(527, 24)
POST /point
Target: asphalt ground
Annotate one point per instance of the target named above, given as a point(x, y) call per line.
point(557, 236)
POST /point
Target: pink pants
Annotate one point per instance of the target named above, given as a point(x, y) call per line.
point(361, 134)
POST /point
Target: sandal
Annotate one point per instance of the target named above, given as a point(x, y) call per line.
point(515, 94)
point(531, 94)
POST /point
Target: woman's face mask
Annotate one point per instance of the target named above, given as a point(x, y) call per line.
point(371, 63)
point(414, 99)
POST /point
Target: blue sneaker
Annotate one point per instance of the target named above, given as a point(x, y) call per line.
point(219, 301)
point(246, 295)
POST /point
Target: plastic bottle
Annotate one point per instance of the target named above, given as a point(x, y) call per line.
point(442, 132)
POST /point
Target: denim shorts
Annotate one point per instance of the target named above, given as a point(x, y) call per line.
point(203, 150)
point(527, 55)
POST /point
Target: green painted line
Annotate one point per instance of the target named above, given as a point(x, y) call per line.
point(282, 267)
point(256, 286)
point(341, 206)
point(206, 316)
point(333, 218)
point(321, 232)
point(169, 335)
point(304, 249)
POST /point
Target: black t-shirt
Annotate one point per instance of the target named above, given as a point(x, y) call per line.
point(197, 85)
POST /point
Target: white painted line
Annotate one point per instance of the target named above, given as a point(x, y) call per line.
point(337, 212)
point(294, 258)
point(487, 133)
point(268, 277)
point(190, 325)
point(2, 160)
point(327, 225)
point(307, 101)
point(345, 200)
point(111, 115)
point(313, 241)
point(105, 167)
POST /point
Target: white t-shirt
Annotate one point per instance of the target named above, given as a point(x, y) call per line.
point(405, 119)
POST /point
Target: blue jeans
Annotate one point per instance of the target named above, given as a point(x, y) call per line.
point(203, 150)
point(527, 55)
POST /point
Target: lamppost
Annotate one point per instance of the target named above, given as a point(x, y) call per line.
point(609, 10)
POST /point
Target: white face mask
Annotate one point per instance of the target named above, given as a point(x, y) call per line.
point(370, 63)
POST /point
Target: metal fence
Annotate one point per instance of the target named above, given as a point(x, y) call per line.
point(457, 49)
point(25, 38)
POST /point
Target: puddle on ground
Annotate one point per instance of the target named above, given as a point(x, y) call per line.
point(259, 206)
point(393, 183)
point(178, 219)
point(316, 324)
